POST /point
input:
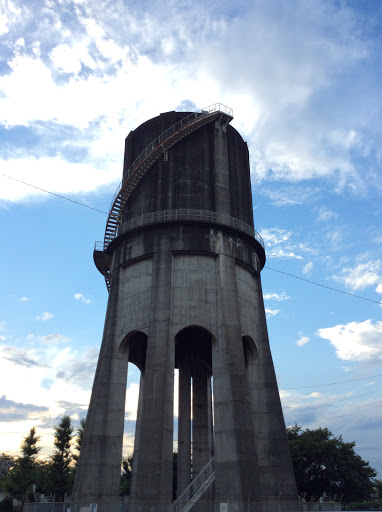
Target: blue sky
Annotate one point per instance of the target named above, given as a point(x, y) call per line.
point(304, 81)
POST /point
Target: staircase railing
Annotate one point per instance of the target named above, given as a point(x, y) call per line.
point(195, 489)
point(149, 156)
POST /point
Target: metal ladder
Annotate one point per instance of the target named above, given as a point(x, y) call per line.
point(195, 489)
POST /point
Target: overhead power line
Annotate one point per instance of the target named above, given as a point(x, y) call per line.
point(323, 285)
point(53, 194)
point(333, 383)
point(332, 402)
point(266, 267)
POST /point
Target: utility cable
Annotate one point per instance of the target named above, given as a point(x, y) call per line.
point(346, 414)
point(324, 286)
point(326, 404)
point(269, 268)
point(333, 383)
point(53, 194)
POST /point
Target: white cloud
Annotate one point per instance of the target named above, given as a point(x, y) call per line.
point(307, 268)
point(276, 296)
point(289, 195)
point(3, 24)
point(279, 244)
point(80, 296)
point(124, 57)
point(325, 214)
point(379, 288)
point(280, 253)
point(2, 338)
point(24, 299)
point(45, 316)
point(315, 394)
point(271, 312)
point(362, 275)
point(356, 341)
point(67, 177)
point(53, 339)
point(275, 236)
point(302, 341)
point(66, 59)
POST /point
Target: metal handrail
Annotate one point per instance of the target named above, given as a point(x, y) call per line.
point(165, 140)
point(195, 489)
point(216, 107)
point(186, 214)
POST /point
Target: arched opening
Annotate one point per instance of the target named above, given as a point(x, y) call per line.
point(193, 424)
point(250, 351)
point(133, 347)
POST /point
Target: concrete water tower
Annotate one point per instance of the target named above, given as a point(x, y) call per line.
point(182, 263)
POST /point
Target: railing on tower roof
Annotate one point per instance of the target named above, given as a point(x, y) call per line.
point(151, 153)
point(142, 164)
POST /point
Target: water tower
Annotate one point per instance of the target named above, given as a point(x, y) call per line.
point(182, 263)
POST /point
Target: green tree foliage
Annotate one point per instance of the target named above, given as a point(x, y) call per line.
point(78, 439)
point(18, 481)
point(6, 463)
point(325, 463)
point(127, 464)
point(61, 460)
point(378, 488)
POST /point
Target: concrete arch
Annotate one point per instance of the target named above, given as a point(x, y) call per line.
point(194, 343)
point(134, 347)
point(193, 358)
point(251, 354)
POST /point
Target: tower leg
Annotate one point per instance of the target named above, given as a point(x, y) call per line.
point(277, 483)
point(184, 425)
point(152, 489)
point(98, 472)
point(137, 433)
point(200, 424)
point(235, 454)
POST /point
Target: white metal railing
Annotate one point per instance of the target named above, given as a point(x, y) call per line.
point(195, 489)
point(184, 214)
point(216, 107)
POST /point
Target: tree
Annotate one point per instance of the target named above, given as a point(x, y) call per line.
point(61, 460)
point(80, 434)
point(378, 487)
point(18, 481)
point(325, 463)
point(127, 464)
point(6, 463)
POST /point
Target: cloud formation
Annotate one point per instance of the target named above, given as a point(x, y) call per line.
point(307, 268)
point(276, 296)
point(302, 341)
point(81, 297)
point(53, 339)
point(20, 357)
point(15, 411)
point(356, 341)
point(362, 275)
point(110, 51)
point(45, 316)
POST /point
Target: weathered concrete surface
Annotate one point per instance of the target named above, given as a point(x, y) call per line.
point(188, 295)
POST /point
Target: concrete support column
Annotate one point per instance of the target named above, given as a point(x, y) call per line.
point(276, 474)
point(211, 449)
point(201, 437)
point(184, 425)
point(152, 489)
point(101, 448)
point(235, 453)
point(137, 432)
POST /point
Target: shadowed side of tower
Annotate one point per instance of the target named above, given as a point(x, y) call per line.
point(185, 292)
